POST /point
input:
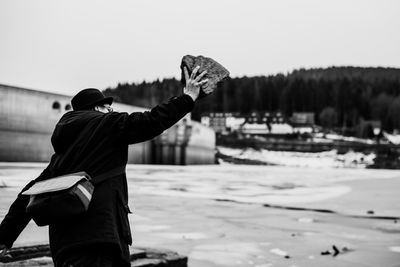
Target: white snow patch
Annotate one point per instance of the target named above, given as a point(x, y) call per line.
point(328, 159)
point(395, 249)
point(193, 235)
point(226, 254)
point(279, 252)
point(149, 228)
point(394, 139)
point(306, 220)
point(338, 137)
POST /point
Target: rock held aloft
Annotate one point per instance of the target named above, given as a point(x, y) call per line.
point(215, 71)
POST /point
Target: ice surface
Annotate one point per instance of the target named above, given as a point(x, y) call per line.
point(175, 208)
point(278, 252)
point(269, 185)
point(395, 249)
point(225, 253)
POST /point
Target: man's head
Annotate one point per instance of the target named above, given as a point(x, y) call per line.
point(91, 99)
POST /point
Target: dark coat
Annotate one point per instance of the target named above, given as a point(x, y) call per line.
point(100, 143)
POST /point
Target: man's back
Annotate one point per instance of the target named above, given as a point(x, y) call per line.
point(87, 140)
point(96, 142)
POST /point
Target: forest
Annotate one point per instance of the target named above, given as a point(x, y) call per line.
point(338, 96)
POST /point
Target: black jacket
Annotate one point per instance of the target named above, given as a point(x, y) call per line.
point(100, 143)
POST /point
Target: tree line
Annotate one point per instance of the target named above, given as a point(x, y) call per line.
point(339, 96)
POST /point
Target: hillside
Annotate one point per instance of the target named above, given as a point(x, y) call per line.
point(339, 96)
point(335, 73)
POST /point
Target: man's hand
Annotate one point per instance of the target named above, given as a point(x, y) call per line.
point(3, 250)
point(193, 83)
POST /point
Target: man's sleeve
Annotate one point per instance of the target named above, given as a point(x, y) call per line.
point(16, 219)
point(142, 126)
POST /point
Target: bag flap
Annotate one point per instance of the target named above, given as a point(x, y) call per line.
point(56, 184)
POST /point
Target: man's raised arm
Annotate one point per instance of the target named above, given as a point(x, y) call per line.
point(141, 126)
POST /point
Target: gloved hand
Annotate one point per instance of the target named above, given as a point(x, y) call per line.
point(3, 249)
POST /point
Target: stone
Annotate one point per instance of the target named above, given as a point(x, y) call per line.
point(216, 73)
point(335, 250)
point(39, 255)
point(24, 253)
point(327, 252)
point(137, 254)
point(147, 263)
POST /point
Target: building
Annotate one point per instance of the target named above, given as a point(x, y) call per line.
point(303, 118)
point(253, 123)
point(303, 122)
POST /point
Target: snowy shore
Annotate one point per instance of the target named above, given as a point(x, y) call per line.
point(328, 159)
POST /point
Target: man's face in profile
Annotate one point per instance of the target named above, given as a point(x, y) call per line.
point(105, 108)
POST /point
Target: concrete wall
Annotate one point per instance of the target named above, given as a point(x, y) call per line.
point(186, 143)
point(30, 111)
point(28, 118)
point(201, 145)
point(25, 146)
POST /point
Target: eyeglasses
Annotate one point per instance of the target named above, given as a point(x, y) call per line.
point(108, 107)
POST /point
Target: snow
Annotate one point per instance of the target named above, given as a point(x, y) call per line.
point(279, 252)
point(394, 139)
point(328, 159)
point(395, 249)
point(338, 137)
point(225, 253)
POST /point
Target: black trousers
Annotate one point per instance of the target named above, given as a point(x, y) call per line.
point(90, 256)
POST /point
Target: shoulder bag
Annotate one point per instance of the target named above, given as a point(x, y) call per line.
point(64, 197)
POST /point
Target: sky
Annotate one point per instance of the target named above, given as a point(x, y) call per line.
point(65, 46)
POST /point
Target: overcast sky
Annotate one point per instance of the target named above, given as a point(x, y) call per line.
point(65, 46)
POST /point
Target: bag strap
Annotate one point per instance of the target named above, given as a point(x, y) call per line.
point(108, 175)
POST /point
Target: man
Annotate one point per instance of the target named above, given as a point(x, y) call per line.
point(94, 139)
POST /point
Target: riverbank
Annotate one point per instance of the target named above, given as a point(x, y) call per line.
point(325, 159)
point(370, 153)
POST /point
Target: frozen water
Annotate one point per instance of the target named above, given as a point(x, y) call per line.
point(175, 209)
point(240, 183)
point(225, 253)
point(278, 252)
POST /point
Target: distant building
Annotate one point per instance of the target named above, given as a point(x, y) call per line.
point(216, 121)
point(263, 129)
point(303, 122)
point(368, 128)
point(303, 119)
point(253, 123)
